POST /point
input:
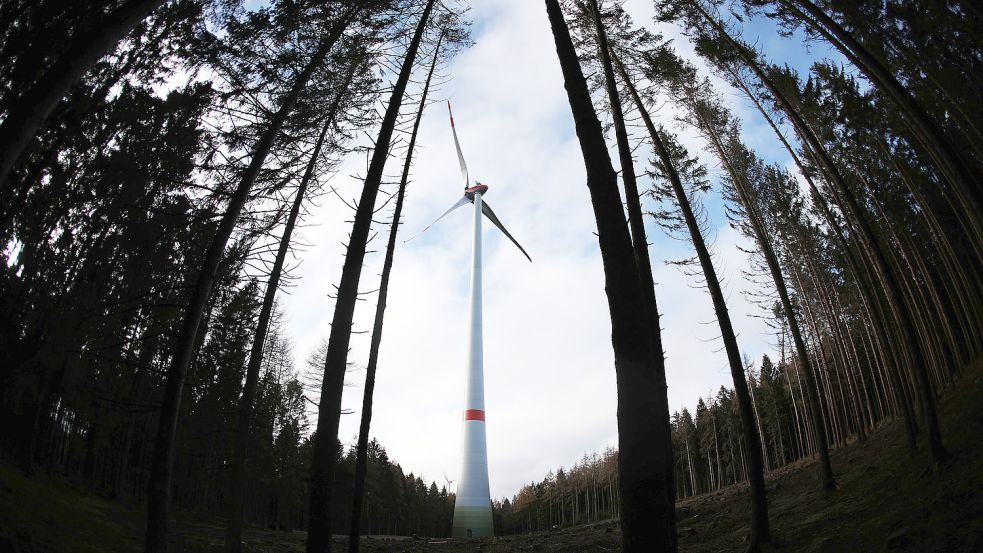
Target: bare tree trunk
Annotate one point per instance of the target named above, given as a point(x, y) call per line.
point(689, 467)
point(962, 288)
point(839, 346)
point(636, 224)
point(743, 189)
point(716, 447)
point(336, 359)
point(867, 294)
point(160, 479)
point(761, 432)
point(760, 532)
point(646, 514)
point(831, 421)
point(361, 465)
point(237, 465)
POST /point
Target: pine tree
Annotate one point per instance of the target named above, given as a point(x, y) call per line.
point(646, 515)
point(336, 358)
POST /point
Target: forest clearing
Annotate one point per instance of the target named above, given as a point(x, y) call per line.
point(886, 502)
point(734, 301)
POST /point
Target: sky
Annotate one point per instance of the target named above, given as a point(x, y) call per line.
point(549, 372)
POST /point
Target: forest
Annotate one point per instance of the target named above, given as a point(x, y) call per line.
point(160, 160)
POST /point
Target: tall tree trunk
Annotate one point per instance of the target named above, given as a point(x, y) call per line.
point(689, 467)
point(636, 225)
point(760, 532)
point(237, 465)
point(163, 458)
point(336, 359)
point(361, 464)
point(646, 517)
point(962, 289)
point(27, 113)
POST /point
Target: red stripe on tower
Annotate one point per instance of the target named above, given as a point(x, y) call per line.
point(474, 415)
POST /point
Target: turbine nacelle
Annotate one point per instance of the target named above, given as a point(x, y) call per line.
point(469, 194)
point(478, 188)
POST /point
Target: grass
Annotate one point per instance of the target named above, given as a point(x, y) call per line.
point(887, 501)
point(43, 515)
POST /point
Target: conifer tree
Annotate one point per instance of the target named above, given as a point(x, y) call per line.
point(159, 496)
point(336, 358)
point(361, 464)
point(646, 515)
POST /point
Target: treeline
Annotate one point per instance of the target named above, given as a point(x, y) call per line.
point(708, 447)
point(867, 253)
point(155, 159)
point(394, 504)
point(586, 493)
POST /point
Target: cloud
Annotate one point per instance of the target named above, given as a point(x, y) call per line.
point(550, 382)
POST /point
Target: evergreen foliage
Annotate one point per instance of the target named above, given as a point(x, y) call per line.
point(156, 157)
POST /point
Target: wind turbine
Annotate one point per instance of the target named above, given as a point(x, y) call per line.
point(472, 509)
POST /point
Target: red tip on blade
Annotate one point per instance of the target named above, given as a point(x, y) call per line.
point(450, 113)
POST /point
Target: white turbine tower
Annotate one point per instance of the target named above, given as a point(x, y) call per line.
point(472, 509)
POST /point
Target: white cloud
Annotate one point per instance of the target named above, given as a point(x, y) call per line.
point(550, 383)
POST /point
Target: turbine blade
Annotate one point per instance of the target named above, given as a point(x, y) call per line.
point(457, 144)
point(491, 217)
point(464, 200)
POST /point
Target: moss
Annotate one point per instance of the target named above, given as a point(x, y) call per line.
point(47, 515)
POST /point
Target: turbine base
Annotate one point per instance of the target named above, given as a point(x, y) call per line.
point(476, 519)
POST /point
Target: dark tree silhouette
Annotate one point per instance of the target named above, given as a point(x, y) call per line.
point(646, 514)
point(26, 114)
point(336, 358)
point(640, 242)
point(361, 462)
point(233, 539)
point(160, 480)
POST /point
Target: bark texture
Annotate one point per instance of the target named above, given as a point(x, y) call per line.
point(636, 225)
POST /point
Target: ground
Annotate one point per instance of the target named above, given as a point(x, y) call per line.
point(887, 500)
